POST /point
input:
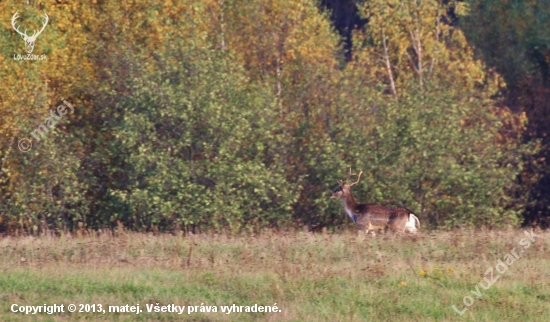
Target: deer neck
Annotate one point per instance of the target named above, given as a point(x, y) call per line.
point(350, 205)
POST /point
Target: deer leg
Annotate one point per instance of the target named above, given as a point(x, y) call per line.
point(367, 231)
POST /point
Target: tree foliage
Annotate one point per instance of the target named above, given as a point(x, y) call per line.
point(232, 115)
point(512, 37)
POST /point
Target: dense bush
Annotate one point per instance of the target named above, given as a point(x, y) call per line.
point(224, 115)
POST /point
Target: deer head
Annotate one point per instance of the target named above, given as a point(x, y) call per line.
point(344, 188)
point(32, 38)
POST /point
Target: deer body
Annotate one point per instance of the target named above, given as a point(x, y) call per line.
point(374, 217)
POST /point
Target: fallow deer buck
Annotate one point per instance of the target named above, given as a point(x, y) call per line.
point(374, 217)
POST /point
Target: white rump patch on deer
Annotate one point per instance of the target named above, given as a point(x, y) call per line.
point(411, 224)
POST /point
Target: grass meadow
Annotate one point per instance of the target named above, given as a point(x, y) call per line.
point(343, 276)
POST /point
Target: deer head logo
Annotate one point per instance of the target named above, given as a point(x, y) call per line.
point(32, 38)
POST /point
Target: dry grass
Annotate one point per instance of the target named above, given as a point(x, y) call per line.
point(314, 277)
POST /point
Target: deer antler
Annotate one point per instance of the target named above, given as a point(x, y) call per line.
point(15, 16)
point(46, 19)
point(349, 175)
point(358, 178)
point(342, 182)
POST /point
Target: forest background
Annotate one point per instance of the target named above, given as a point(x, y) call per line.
point(238, 115)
